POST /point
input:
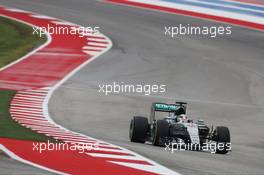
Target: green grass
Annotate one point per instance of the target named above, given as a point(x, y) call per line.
point(10, 128)
point(16, 40)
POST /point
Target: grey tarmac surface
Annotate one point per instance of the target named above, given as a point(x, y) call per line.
point(222, 79)
point(9, 166)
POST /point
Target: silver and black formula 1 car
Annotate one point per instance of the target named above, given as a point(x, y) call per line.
point(177, 128)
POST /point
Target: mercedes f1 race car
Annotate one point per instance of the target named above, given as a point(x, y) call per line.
point(177, 128)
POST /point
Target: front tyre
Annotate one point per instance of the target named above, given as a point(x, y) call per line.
point(138, 129)
point(161, 132)
point(222, 137)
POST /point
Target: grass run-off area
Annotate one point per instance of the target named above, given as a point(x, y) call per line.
point(16, 40)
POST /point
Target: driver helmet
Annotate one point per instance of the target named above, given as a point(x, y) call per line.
point(183, 118)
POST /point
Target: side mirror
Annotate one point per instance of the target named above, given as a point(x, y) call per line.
point(200, 121)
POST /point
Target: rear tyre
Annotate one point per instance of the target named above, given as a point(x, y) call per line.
point(138, 129)
point(161, 132)
point(222, 137)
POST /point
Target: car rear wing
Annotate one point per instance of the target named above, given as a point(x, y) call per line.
point(163, 107)
point(177, 108)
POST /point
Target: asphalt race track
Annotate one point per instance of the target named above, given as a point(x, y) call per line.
point(222, 79)
point(12, 167)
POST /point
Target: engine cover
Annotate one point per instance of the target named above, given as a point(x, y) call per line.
point(187, 131)
point(193, 132)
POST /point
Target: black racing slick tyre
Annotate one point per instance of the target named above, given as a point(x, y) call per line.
point(138, 129)
point(222, 137)
point(161, 132)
